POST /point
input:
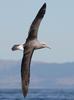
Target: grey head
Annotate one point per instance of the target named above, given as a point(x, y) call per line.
point(44, 45)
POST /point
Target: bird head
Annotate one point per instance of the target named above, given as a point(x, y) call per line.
point(17, 47)
point(44, 45)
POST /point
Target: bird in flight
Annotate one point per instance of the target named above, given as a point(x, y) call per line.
point(28, 48)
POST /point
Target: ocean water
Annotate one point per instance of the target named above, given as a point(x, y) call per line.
point(37, 94)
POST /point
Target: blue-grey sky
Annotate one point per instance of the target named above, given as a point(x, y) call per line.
point(56, 29)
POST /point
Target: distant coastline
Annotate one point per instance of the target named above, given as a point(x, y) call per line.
point(43, 75)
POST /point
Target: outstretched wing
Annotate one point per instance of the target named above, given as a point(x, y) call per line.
point(35, 24)
point(25, 69)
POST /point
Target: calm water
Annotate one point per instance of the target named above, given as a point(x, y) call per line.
point(37, 94)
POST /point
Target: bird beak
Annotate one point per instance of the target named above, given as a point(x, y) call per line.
point(48, 47)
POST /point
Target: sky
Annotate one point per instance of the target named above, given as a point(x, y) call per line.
point(56, 29)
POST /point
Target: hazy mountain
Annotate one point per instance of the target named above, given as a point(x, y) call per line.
point(43, 75)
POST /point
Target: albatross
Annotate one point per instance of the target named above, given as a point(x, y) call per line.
point(28, 48)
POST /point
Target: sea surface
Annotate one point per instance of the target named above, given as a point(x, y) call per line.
point(37, 94)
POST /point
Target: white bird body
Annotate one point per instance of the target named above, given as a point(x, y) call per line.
point(34, 44)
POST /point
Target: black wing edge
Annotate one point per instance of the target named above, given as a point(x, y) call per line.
point(42, 11)
point(32, 32)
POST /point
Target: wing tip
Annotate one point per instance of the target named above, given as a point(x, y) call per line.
point(44, 5)
point(42, 11)
point(25, 91)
